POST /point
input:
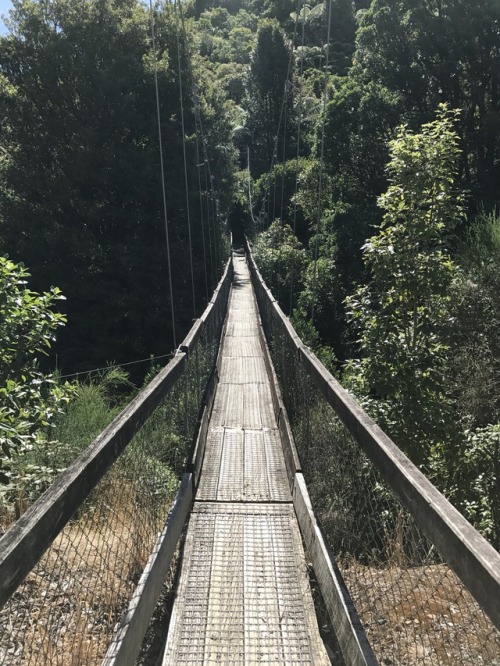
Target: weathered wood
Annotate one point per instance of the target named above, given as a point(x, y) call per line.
point(292, 460)
point(26, 541)
point(220, 351)
point(189, 342)
point(345, 621)
point(243, 595)
point(243, 591)
point(199, 448)
point(127, 642)
point(472, 558)
point(270, 370)
point(290, 453)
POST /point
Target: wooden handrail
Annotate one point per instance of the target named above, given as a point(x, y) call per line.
point(24, 543)
point(472, 558)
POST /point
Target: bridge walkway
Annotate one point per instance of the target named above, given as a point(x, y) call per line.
point(243, 595)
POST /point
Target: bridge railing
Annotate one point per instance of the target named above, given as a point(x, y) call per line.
point(82, 569)
point(424, 582)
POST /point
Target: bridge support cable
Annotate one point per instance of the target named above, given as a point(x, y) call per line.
point(425, 582)
point(162, 170)
point(216, 234)
point(202, 212)
point(302, 8)
point(71, 559)
point(321, 160)
point(274, 158)
point(183, 128)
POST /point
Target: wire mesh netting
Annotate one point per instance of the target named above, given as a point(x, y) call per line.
point(70, 605)
point(414, 608)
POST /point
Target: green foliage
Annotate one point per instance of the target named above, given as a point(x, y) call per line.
point(342, 34)
point(359, 124)
point(269, 72)
point(81, 196)
point(29, 400)
point(281, 260)
point(403, 314)
point(449, 51)
point(476, 307)
point(94, 404)
point(277, 190)
point(307, 197)
point(477, 484)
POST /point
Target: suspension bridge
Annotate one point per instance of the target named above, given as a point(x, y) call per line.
point(81, 572)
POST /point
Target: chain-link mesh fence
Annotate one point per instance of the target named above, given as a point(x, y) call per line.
point(414, 608)
point(69, 606)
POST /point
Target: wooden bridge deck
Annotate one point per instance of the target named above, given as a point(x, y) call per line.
point(243, 595)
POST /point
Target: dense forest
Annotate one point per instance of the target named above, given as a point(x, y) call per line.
point(357, 143)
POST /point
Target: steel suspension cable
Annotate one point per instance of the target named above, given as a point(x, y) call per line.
point(186, 182)
point(217, 250)
point(202, 215)
point(162, 172)
point(299, 127)
point(276, 138)
point(211, 245)
point(250, 202)
point(283, 160)
point(321, 161)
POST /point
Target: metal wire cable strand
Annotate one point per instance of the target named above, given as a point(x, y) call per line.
point(321, 160)
point(217, 250)
point(162, 171)
point(186, 183)
point(276, 138)
point(302, 7)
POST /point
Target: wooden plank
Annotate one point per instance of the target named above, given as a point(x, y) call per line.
point(199, 447)
point(220, 350)
point(243, 466)
point(345, 621)
point(292, 460)
point(244, 595)
point(222, 292)
point(219, 297)
point(127, 642)
point(270, 373)
point(26, 541)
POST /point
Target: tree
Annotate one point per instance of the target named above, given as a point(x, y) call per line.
point(282, 260)
point(476, 300)
point(403, 313)
point(342, 34)
point(360, 121)
point(29, 400)
point(431, 51)
point(81, 194)
point(269, 91)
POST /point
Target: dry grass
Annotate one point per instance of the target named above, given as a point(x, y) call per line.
point(421, 615)
point(67, 610)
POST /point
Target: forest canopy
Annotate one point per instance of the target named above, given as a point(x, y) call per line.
point(357, 143)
